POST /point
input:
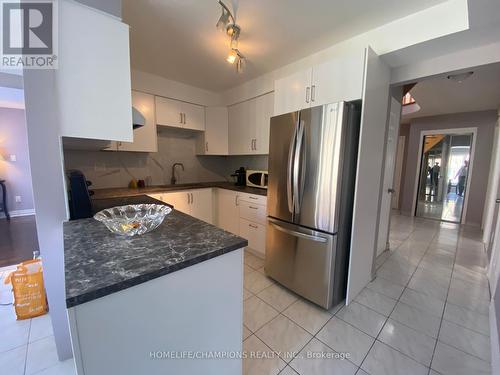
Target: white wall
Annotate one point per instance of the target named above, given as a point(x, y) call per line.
point(153, 84)
point(49, 194)
point(493, 182)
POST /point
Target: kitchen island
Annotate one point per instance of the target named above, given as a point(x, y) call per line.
point(165, 302)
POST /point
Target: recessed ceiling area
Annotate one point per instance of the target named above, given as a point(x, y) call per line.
point(177, 39)
point(438, 96)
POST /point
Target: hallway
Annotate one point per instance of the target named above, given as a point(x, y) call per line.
point(425, 313)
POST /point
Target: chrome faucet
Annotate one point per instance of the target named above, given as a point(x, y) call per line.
point(173, 180)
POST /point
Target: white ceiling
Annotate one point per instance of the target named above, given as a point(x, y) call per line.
point(177, 39)
point(438, 96)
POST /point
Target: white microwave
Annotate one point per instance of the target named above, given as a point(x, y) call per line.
point(257, 179)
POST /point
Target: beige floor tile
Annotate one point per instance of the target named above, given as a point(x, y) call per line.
point(307, 315)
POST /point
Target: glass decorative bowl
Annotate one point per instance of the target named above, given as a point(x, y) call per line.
point(135, 219)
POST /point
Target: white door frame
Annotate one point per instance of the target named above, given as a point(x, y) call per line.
point(458, 131)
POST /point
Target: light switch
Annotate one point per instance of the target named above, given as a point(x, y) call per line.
point(13, 157)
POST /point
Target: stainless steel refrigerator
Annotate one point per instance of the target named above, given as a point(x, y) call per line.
point(312, 169)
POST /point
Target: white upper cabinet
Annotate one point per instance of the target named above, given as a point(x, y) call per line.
point(337, 80)
point(214, 141)
point(293, 92)
point(194, 116)
point(168, 112)
point(93, 79)
point(177, 114)
point(249, 123)
point(145, 137)
point(264, 111)
point(240, 132)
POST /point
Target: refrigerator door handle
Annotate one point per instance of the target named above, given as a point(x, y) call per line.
point(298, 234)
point(289, 176)
point(297, 167)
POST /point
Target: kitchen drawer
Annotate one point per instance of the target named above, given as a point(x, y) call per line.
point(253, 212)
point(255, 234)
point(252, 198)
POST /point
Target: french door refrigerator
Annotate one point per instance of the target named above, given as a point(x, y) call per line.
point(312, 169)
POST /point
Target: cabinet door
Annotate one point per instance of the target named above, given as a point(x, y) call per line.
point(241, 128)
point(227, 211)
point(145, 139)
point(194, 116)
point(292, 93)
point(180, 200)
point(168, 112)
point(264, 111)
point(216, 132)
point(94, 98)
point(201, 204)
point(338, 80)
point(255, 234)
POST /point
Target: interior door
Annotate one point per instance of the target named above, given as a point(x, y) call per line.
point(369, 173)
point(398, 173)
point(388, 185)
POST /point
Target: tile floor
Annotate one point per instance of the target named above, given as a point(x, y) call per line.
point(27, 346)
point(425, 313)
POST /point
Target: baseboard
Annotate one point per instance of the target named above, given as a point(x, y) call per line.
point(17, 213)
point(495, 345)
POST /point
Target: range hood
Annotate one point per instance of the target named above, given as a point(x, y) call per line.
point(138, 119)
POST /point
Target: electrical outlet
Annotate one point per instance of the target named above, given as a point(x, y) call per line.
point(13, 158)
point(18, 199)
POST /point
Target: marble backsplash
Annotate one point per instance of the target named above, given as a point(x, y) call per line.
point(108, 169)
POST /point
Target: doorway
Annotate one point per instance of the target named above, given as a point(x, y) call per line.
point(445, 164)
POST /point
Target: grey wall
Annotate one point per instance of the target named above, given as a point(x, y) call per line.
point(17, 175)
point(115, 169)
point(485, 123)
point(113, 7)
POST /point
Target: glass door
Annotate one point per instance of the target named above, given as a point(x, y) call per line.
point(443, 176)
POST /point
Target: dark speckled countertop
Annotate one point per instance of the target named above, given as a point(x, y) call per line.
point(99, 263)
point(126, 192)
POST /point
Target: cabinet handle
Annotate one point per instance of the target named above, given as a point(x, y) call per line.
point(253, 226)
point(192, 198)
point(236, 200)
point(250, 197)
point(313, 93)
point(180, 114)
point(189, 198)
point(255, 144)
point(206, 146)
point(253, 208)
point(308, 91)
point(184, 118)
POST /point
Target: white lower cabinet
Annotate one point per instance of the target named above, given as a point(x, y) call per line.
point(197, 203)
point(228, 211)
point(255, 234)
point(242, 214)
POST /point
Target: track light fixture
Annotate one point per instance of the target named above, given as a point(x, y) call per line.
point(227, 23)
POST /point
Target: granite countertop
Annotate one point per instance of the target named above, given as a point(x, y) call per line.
point(98, 262)
point(127, 192)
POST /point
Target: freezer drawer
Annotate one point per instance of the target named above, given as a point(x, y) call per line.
point(302, 260)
